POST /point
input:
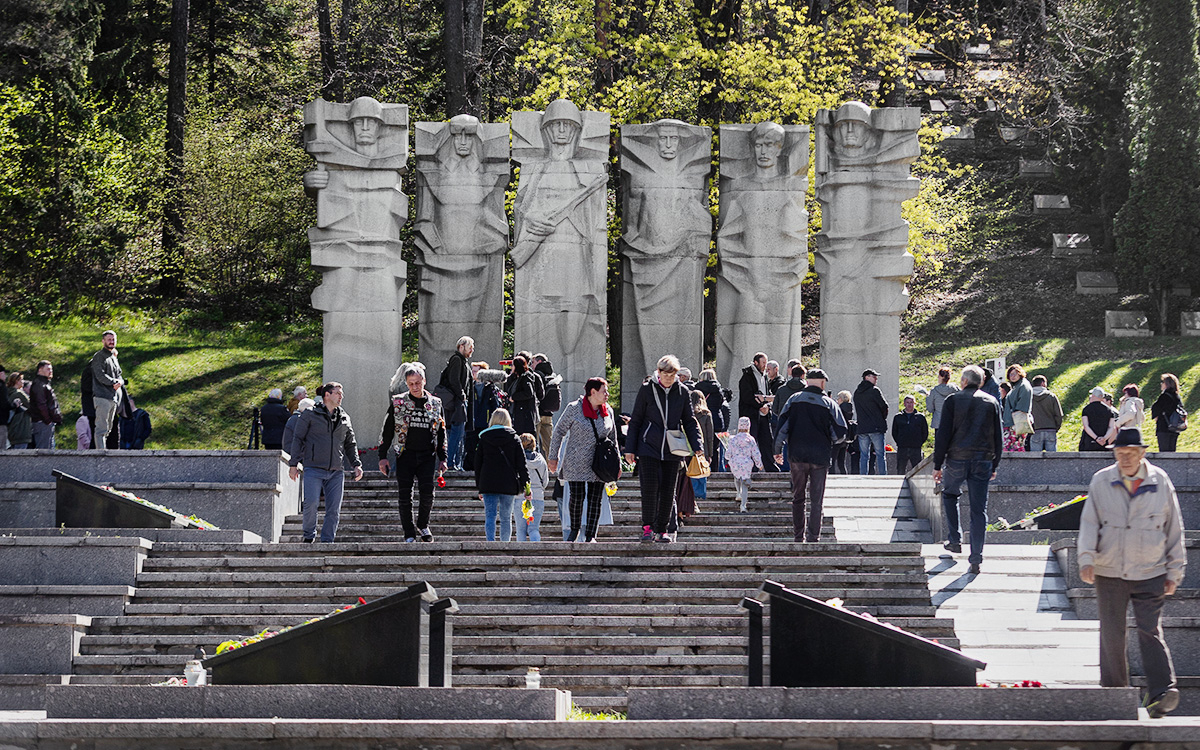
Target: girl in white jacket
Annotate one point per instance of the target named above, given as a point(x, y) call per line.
point(539, 477)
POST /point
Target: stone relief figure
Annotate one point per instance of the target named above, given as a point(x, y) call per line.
point(863, 157)
point(560, 253)
point(361, 149)
point(664, 248)
point(461, 235)
point(762, 242)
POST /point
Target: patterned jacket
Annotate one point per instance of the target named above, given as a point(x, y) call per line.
point(743, 455)
point(395, 426)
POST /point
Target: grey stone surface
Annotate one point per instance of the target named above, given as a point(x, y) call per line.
point(1095, 282)
point(1076, 469)
point(931, 75)
point(72, 560)
point(1037, 168)
point(361, 150)
point(939, 106)
point(1183, 603)
point(762, 240)
point(1069, 245)
point(40, 644)
point(1008, 135)
point(221, 536)
point(1182, 635)
point(560, 253)
point(1189, 323)
point(94, 601)
point(25, 692)
point(304, 702)
point(955, 135)
point(461, 236)
point(1126, 324)
point(1068, 560)
point(664, 247)
point(246, 490)
point(1050, 204)
point(876, 704)
point(863, 158)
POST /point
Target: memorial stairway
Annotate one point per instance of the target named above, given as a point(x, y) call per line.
point(596, 619)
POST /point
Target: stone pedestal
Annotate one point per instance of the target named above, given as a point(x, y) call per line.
point(863, 157)
point(1051, 205)
point(461, 236)
point(664, 247)
point(1189, 324)
point(361, 150)
point(1095, 282)
point(1071, 245)
point(561, 249)
point(1009, 135)
point(958, 136)
point(1127, 324)
point(762, 240)
point(1035, 168)
point(931, 76)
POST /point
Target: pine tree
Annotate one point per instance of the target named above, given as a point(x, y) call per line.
point(1159, 225)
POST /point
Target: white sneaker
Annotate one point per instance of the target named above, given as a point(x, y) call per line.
point(425, 534)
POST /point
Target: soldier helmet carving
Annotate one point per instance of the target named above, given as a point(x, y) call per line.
point(562, 109)
point(365, 106)
point(853, 111)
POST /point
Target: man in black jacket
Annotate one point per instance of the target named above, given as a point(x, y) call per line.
point(809, 424)
point(274, 417)
point(456, 379)
point(550, 403)
point(755, 403)
point(970, 443)
point(872, 410)
point(910, 430)
point(782, 393)
point(5, 410)
point(44, 406)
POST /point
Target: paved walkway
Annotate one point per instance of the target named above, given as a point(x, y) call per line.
point(1015, 615)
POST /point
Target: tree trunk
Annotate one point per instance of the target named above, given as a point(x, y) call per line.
point(172, 239)
point(473, 49)
point(897, 95)
point(604, 67)
point(330, 88)
point(453, 48)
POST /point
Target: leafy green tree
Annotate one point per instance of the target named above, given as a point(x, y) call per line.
point(1157, 227)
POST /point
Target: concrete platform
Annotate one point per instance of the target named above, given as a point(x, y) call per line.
point(40, 644)
point(886, 703)
point(107, 702)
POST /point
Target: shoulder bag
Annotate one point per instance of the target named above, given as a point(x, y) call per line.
point(1177, 420)
point(677, 442)
point(606, 462)
point(698, 467)
point(1022, 423)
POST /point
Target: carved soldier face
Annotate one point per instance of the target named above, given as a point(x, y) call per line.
point(464, 140)
point(562, 132)
point(366, 130)
point(852, 135)
point(668, 143)
point(766, 151)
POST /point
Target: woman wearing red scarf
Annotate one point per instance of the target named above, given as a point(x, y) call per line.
point(584, 421)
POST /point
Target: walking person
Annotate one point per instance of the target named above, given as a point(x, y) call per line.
point(414, 435)
point(550, 403)
point(707, 432)
point(456, 380)
point(20, 424)
point(106, 388)
point(500, 474)
point(754, 401)
point(45, 412)
point(910, 431)
point(744, 456)
point(586, 420)
point(1168, 402)
point(662, 406)
point(1131, 547)
point(872, 410)
point(6, 410)
point(1017, 404)
point(289, 430)
point(525, 392)
point(810, 424)
point(844, 459)
point(1047, 416)
point(938, 395)
point(324, 443)
point(793, 385)
point(529, 529)
point(970, 444)
point(717, 397)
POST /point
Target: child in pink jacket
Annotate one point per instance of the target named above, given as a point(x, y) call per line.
point(743, 456)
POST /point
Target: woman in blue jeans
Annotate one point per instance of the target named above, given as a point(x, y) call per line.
point(500, 473)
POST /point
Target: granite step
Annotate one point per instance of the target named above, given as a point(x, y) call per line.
point(148, 582)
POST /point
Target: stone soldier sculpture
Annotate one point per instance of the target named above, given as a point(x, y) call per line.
point(461, 235)
point(560, 253)
point(863, 157)
point(361, 149)
point(668, 228)
point(762, 241)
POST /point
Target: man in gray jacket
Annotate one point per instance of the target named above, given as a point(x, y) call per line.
point(106, 387)
point(324, 443)
point(1131, 547)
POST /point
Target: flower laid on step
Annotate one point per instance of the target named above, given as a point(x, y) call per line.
point(1030, 518)
point(1018, 684)
point(200, 522)
point(266, 633)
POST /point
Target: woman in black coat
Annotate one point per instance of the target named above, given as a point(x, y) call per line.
point(1166, 404)
point(524, 389)
point(661, 395)
point(500, 475)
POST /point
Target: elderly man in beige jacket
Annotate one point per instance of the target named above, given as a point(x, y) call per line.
point(1131, 548)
